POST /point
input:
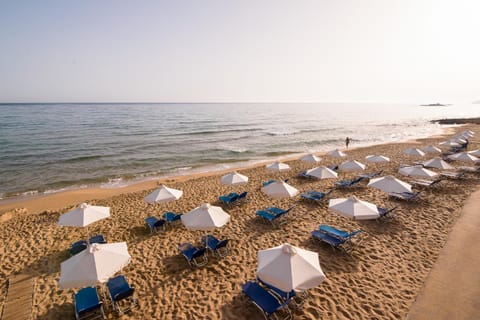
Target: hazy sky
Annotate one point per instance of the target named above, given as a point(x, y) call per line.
point(201, 50)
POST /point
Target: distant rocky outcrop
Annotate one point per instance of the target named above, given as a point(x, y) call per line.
point(458, 121)
point(434, 105)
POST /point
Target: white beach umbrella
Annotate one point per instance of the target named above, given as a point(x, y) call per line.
point(354, 208)
point(280, 189)
point(459, 140)
point(205, 217)
point(351, 165)
point(437, 163)
point(234, 178)
point(377, 159)
point(417, 171)
point(390, 184)
point(475, 153)
point(94, 265)
point(337, 154)
point(278, 166)
point(163, 194)
point(83, 215)
point(464, 156)
point(414, 152)
point(288, 268)
point(431, 149)
point(310, 158)
point(322, 173)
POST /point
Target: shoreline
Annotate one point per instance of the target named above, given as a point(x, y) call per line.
point(57, 200)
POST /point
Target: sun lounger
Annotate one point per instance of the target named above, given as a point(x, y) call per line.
point(407, 196)
point(154, 224)
point(335, 242)
point(385, 213)
point(348, 183)
point(88, 304)
point(265, 301)
point(171, 217)
point(272, 213)
point(278, 211)
point(121, 294)
point(196, 257)
point(370, 175)
point(316, 196)
point(296, 298)
point(426, 183)
point(333, 167)
point(242, 197)
point(229, 199)
point(99, 238)
point(266, 183)
point(217, 247)
point(304, 175)
point(452, 175)
point(337, 233)
point(78, 247)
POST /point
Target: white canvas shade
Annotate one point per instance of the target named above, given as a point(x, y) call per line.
point(337, 154)
point(94, 265)
point(431, 149)
point(414, 152)
point(322, 173)
point(205, 217)
point(437, 163)
point(278, 166)
point(163, 194)
point(310, 158)
point(417, 171)
point(289, 268)
point(351, 165)
point(234, 178)
point(354, 208)
point(279, 190)
point(449, 144)
point(377, 159)
point(83, 215)
point(475, 153)
point(463, 156)
point(390, 184)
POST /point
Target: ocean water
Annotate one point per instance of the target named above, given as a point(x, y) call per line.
point(50, 147)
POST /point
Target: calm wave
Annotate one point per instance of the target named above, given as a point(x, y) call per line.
point(47, 147)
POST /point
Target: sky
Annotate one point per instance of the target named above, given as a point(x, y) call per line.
point(240, 51)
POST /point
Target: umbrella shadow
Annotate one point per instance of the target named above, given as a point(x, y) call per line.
point(390, 225)
point(333, 260)
point(59, 311)
point(173, 265)
point(239, 308)
point(47, 264)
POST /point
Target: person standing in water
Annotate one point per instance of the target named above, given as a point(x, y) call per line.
point(347, 142)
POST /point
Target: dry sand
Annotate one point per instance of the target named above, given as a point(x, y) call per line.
point(379, 279)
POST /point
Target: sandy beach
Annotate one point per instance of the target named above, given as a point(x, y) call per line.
point(379, 279)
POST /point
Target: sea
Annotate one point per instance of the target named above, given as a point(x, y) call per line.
point(46, 148)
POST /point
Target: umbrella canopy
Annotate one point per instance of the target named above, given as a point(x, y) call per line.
point(205, 217)
point(278, 166)
point(234, 178)
point(354, 208)
point(377, 158)
point(94, 265)
point(417, 171)
point(289, 268)
point(322, 173)
point(437, 163)
point(280, 189)
point(390, 184)
point(475, 153)
point(83, 215)
point(337, 154)
point(351, 165)
point(463, 156)
point(163, 194)
point(431, 149)
point(449, 143)
point(414, 152)
point(310, 158)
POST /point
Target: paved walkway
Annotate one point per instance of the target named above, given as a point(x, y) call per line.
point(452, 289)
point(18, 305)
